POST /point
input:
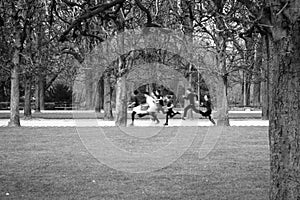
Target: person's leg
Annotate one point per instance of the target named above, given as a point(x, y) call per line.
point(195, 109)
point(211, 119)
point(154, 116)
point(160, 108)
point(167, 118)
point(185, 110)
point(202, 113)
point(132, 117)
point(172, 114)
point(142, 114)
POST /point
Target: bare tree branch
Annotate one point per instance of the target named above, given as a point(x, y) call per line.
point(72, 4)
point(149, 22)
point(72, 52)
point(89, 14)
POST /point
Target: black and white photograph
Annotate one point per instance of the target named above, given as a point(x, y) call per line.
point(150, 99)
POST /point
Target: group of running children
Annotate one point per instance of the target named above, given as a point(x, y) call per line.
point(156, 103)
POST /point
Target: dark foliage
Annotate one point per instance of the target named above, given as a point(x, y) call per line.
point(59, 93)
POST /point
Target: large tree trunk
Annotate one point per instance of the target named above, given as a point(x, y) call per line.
point(284, 131)
point(15, 91)
point(285, 124)
point(27, 106)
point(188, 29)
point(121, 102)
point(221, 83)
point(222, 102)
point(108, 115)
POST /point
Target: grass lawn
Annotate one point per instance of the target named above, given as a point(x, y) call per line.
point(52, 163)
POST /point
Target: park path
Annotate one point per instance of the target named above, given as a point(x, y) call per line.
point(138, 122)
point(40, 122)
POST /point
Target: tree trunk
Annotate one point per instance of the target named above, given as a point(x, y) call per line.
point(42, 92)
point(99, 96)
point(285, 126)
point(256, 94)
point(15, 91)
point(37, 95)
point(242, 89)
point(257, 74)
point(88, 90)
point(121, 102)
point(265, 100)
point(108, 115)
point(222, 102)
point(284, 131)
point(247, 90)
point(27, 106)
point(250, 47)
point(221, 82)
point(188, 29)
point(266, 83)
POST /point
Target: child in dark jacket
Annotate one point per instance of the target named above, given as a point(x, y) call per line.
point(207, 105)
point(170, 112)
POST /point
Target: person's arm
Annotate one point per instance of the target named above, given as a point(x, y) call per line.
point(202, 103)
point(134, 100)
point(171, 106)
point(186, 97)
point(131, 104)
point(206, 104)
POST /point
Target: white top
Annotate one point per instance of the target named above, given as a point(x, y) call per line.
point(151, 102)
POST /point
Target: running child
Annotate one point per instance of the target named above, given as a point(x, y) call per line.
point(207, 105)
point(191, 97)
point(152, 107)
point(159, 101)
point(136, 104)
point(170, 112)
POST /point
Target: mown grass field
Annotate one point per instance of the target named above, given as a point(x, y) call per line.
point(53, 163)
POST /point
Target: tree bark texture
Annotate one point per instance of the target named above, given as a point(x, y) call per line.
point(108, 115)
point(256, 94)
point(37, 95)
point(247, 89)
point(89, 91)
point(99, 95)
point(265, 93)
point(15, 91)
point(121, 102)
point(257, 74)
point(284, 131)
point(27, 105)
point(188, 29)
point(222, 102)
point(248, 73)
point(42, 83)
point(221, 83)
